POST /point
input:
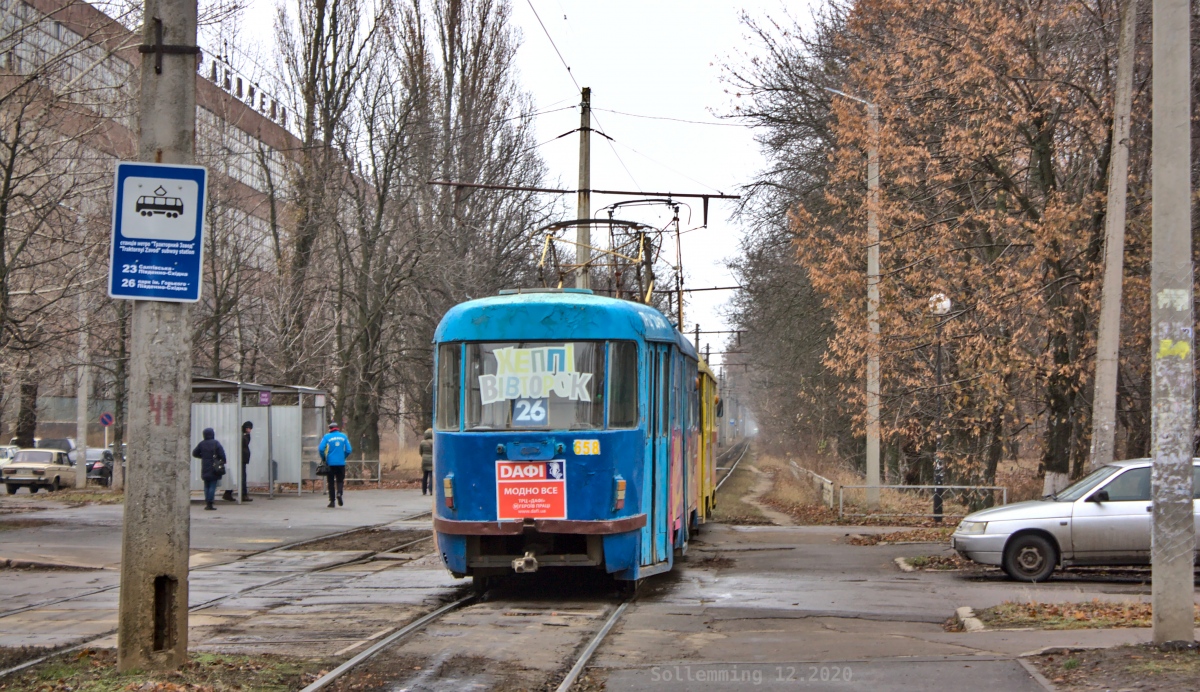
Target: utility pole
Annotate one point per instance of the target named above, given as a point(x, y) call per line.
point(583, 205)
point(873, 306)
point(697, 339)
point(1108, 340)
point(1172, 535)
point(153, 614)
point(872, 296)
point(81, 395)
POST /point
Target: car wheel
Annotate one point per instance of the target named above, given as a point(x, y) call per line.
point(1030, 558)
point(54, 486)
point(11, 488)
point(33, 489)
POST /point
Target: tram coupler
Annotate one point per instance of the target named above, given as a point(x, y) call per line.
point(525, 564)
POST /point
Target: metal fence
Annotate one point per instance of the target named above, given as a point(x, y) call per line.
point(977, 490)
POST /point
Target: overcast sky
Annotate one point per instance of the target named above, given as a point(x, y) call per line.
point(660, 58)
point(656, 58)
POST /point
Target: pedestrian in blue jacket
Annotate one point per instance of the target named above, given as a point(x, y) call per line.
point(333, 449)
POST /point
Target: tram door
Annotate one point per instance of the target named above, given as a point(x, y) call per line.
point(660, 430)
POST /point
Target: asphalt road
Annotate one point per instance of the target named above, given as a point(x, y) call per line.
point(768, 607)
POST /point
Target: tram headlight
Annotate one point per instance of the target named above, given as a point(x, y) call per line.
point(448, 488)
point(618, 494)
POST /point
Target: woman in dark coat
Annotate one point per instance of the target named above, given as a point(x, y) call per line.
point(212, 465)
point(427, 462)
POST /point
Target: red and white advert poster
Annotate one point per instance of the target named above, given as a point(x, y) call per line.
point(531, 490)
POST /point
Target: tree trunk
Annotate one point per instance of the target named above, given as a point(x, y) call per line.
point(27, 415)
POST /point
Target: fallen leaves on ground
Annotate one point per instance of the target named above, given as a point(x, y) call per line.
point(939, 563)
point(1058, 616)
point(1143, 667)
point(927, 535)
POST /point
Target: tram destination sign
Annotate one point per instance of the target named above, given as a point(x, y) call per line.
point(158, 232)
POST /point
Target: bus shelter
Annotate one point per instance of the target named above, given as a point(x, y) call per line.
point(285, 419)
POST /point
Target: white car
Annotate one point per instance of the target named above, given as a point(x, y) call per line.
point(7, 452)
point(1102, 519)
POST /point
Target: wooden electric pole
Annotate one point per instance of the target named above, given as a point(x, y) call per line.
point(153, 613)
point(583, 232)
point(1172, 389)
point(1108, 339)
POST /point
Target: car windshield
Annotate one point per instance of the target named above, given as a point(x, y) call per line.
point(1084, 485)
point(55, 443)
point(27, 455)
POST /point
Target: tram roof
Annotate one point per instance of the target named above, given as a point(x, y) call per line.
point(556, 315)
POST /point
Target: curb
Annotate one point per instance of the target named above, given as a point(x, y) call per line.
point(902, 563)
point(966, 617)
point(1036, 675)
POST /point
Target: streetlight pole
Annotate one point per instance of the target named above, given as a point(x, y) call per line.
point(873, 476)
point(939, 304)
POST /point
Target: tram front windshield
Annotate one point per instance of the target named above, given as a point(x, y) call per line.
point(535, 385)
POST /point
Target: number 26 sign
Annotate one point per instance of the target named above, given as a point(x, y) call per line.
point(526, 412)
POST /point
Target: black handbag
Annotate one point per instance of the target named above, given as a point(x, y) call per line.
point(322, 470)
point(219, 469)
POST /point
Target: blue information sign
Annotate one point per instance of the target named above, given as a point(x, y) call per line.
point(158, 232)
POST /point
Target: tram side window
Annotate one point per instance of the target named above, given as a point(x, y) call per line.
point(449, 372)
point(623, 385)
point(535, 385)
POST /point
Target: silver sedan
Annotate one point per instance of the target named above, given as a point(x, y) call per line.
point(1103, 519)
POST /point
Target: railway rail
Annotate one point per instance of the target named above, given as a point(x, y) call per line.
point(398, 637)
point(741, 447)
point(207, 604)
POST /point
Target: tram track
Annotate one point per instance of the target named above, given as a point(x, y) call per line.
point(744, 444)
point(220, 599)
point(398, 638)
point(287, 546)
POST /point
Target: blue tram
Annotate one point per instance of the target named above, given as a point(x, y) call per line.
point(566, 433)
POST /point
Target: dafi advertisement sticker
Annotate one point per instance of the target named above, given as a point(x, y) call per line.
point(531, 490)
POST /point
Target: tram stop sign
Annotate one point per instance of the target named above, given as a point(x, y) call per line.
point(158, 232)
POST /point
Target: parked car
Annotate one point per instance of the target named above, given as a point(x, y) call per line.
point(66, 444)
point(1102, 519)
point(7, 452)
point(36, 469)
point(100, 465)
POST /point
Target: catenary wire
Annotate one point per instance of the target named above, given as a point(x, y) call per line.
point(676, 120)
point(554, 45)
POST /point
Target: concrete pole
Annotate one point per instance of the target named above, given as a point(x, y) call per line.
point(81, 396)
point(583, 205)
point(873, 306)
point(1172, 535)
point(153, 616)
point(1108, 340)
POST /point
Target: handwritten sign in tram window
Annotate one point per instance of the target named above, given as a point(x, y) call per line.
point(533, 374)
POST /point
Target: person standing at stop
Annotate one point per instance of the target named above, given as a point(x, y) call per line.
point(427, 462)
point(212, 465)
point(334, 448)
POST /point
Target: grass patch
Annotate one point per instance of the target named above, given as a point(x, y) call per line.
point(96, 671)
point(730, 508)
point(1067, 616)
point(88, 496)
point(939, 563)
point(1141, 667)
